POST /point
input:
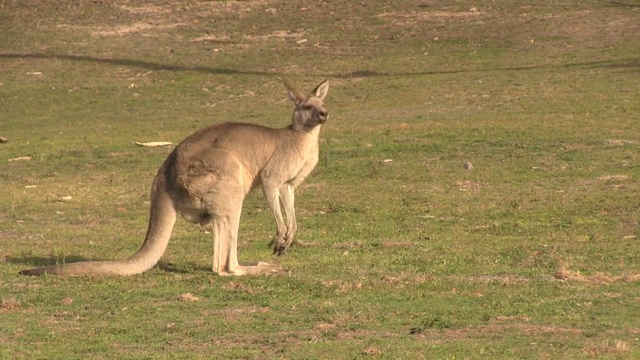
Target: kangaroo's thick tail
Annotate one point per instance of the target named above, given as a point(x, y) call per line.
point(161, 221)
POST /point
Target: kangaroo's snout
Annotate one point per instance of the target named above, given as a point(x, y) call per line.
point(323, 116)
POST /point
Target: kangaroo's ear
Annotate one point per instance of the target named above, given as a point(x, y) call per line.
point(294, 95)
point(321, 90)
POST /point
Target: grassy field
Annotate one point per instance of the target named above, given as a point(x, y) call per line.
point(533, 253)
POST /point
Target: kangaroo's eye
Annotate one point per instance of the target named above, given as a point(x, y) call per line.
point(308, 107)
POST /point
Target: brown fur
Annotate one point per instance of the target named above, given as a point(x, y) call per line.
point(206, 178)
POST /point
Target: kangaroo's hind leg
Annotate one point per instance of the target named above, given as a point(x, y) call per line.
point(225, 252)
point(223, 202)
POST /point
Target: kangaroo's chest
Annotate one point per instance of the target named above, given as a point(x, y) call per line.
point(291, 162)
point(306, 165)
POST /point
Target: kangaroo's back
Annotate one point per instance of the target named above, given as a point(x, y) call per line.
point(251, 145)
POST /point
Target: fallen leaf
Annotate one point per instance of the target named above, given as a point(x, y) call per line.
point(153, 143)
point(22, 158)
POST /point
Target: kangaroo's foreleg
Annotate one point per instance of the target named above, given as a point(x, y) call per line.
point(273, 196)
point(287, 195)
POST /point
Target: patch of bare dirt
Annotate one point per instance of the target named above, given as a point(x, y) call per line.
point(609, 347)
point(617, 181)
point(151, 20)
point(146, 9)
point(620, 142)
point(9, 305)
point(468, 185)
point(613, 178)
point(407, 280)
point(133, 28)
point(6, 235)
point(198, 7)
point(528, 329)
point(122, 30)
point(589, 25)
point(217, 39)
point(278, 34)
point(503, 279)
point(483, 331)
point(598, 278)
point(565, 274)
point(414, 17)
point(553, 29)
point(398, 245)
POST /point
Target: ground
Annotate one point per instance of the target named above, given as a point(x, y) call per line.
point(476, 195)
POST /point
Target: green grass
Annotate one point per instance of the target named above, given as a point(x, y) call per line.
point(532, 254)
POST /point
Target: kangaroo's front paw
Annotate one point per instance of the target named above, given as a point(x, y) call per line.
point(280, 249)
point(283, 249)
point(279, 245)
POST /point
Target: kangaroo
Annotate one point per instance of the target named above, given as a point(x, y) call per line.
point(206, 178)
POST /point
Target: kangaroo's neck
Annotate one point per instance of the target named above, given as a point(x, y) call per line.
point(305, 131)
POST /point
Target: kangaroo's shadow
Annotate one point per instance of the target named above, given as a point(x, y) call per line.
point(39, 261)
point(630, 63)
point(135, 63)
point(30, 261)
point(184, 268)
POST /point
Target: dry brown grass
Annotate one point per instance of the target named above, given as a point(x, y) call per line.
point(599, 278)
point(9, 305)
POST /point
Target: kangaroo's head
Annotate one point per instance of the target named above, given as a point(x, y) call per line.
point(309, 110)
